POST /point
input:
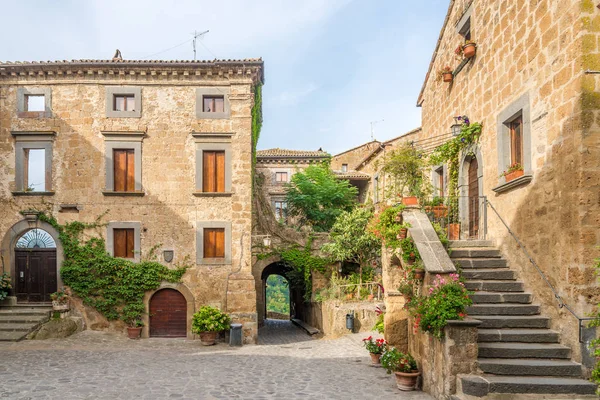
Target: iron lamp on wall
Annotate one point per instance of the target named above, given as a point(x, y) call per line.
point(267, 241)
point(455, 129)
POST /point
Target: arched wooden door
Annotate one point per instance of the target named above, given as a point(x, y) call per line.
point(168, 313)
point(35, 267)
point(473, 199)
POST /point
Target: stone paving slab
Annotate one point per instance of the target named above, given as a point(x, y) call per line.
point(98, 365)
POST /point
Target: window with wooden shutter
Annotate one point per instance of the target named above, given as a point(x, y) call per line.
point(123, 243)
point(124, 170)
point(516, 141)
point(213, 171)
point(214, 242)
point(213, 104)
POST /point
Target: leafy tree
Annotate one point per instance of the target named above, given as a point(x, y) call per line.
point(278, 294)
point(351, 240)
point(317, 197)
point(405, 165)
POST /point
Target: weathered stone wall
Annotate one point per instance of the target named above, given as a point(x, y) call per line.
point(330, 316)
point(354, 156)
point(537, 49)
point(168, 211)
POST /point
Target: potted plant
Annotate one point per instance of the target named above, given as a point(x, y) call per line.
point(418, 271)
point(403, 232)
point(60, 300)
point(437, 208)
point(406, 289)
point(5, 285)
point(132, 315)
point(375, 348)
point(469, 49)
point(513, 172)
point(386, 227)
point(410, 254)
point(207, 322)
point(403, 365)
point(405, 165)
point(447, 74)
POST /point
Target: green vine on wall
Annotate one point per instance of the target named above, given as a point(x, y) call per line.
point(113, 286)
point(257, 119)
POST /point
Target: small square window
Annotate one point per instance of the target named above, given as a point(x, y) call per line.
point(35, 102)
point(281, 210)
point(213, 104)
point(281, 177)
point(34, 171)
point(124, 102)
point(123, 242)
point(214, 242)
point(344, 167)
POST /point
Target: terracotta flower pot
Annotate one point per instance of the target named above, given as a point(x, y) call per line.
point(407, 380)
point(448, 77)
point(208, 338)
point(134, 333)
point(398, 218)
point(469, 50)
point(370, 297)
point(410, 201)
point(513, 175)
point(402, 234)
point(453, 231)
point(419, 274)
point(375, 359)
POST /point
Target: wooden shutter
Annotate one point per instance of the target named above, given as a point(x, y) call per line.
point(124, 170)
point(123, 243)
point(516, 141)
point(214, 243)
point(213, 171)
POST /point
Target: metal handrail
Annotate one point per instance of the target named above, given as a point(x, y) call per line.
point(559, 299)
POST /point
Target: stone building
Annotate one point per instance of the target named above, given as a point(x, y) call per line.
point(161, 149)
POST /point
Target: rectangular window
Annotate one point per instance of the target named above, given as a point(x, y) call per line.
point(214, 242)
point(213, 104)
point(123, 243)
point(280, 210)
point(440, 181)
point(281, 177)
point(516, 141)
point(124, 170)
point(35, 102)
point(34, 170)
point(344, 167)
point(213, 171)
point(124, 102)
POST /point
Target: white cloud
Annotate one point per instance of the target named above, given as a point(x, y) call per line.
point(289, 98)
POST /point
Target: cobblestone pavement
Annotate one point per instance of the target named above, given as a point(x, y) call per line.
point(289, 365)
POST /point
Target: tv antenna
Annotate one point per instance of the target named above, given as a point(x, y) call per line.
point(373, 123)
point(197, 35)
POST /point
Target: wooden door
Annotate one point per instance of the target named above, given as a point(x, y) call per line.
point(36, 276)
point(168, 314)
point(473, 199)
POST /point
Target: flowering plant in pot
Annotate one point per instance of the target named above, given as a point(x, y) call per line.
point(387, 228)
point(403, 365)
point(4, 285)
point(513, 171)
point(375, 348)
point(60, 300)
point(132, 315)
point(447, 74)
point(469, 49)
point(207, 322)
point(410, 253)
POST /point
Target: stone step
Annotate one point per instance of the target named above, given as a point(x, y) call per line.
point(21, 319)
point(513, 321)
point(25, 312)
point(455, 244)
point(475, 252)
point(523, 350)
point(495, 297)
point(489, 274)
point(495, 286)
point(528, 366)
point(18, 327)
point(518, 335)
point(480, 386)
point(470, 263)
point(503, 309)
point(12, 336)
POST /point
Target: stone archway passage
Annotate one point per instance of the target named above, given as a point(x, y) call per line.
point(168, 313)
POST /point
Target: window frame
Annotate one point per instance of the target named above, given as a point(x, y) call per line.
point(112, 91)
point(281, 173)
point(516, 140)
point(283, 217)
point(127, 232)
point(123, 141)
point(200, 226)
point(344, 168)
point(213, 98)
point(217, 175)
point(211, 145)
point(129, 153)
point(137, 243)
point(22, 94)
point(28, 141)
point(204, 242)
point(125, 98)
point(212, 92)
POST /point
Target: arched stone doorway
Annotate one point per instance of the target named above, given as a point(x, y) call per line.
point(182, 290)
point(33, 254)
point(470, 186)
point(168, 314)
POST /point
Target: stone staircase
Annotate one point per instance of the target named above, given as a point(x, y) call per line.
point(19, 320)
point(518, 353)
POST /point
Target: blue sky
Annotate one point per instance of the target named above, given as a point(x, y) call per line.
point(331, 66)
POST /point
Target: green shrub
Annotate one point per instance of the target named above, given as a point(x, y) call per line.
point(210, 319)
point(4, 285)
point(393, 360)
point(386, 227)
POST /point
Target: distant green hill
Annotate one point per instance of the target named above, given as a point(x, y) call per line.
point(278, 294)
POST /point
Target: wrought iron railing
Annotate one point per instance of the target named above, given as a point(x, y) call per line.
point(558, 297)
point(462, 217)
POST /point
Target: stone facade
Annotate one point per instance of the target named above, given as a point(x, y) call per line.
point(532, 60)
point(167, 205)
